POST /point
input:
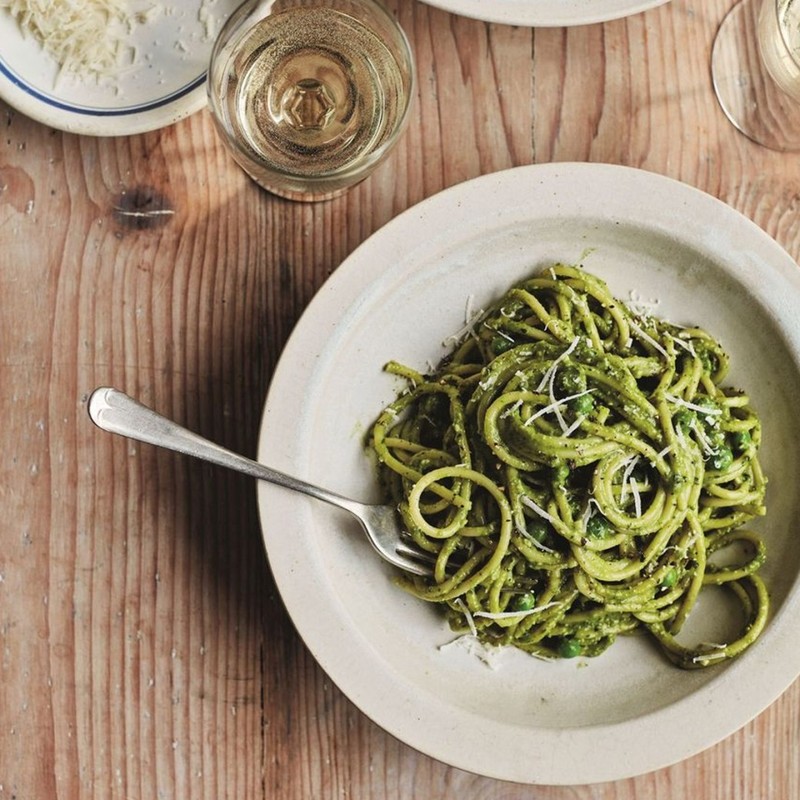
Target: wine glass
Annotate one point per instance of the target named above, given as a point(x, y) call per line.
point(309, 96)
point(755, 67)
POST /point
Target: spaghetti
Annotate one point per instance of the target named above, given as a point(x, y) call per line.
point(578, 471)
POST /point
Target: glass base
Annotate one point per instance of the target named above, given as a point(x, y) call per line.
point(746, 92)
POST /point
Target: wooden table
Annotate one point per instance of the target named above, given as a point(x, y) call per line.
point(144, 651)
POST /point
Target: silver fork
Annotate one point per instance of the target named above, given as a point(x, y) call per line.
point(116, 412)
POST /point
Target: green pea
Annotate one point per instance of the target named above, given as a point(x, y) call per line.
point(598, 527)
point(677, 481)
point(721, 459)
point(539, 530)
point(569, 648)
point(524, 602)
point(741, 441)
point(710, 408)
point(669, 580)
point(717, 438)
point(582, 405)
point(571, 380)
point(709, 362)
point(683, 419)
point(500, 344)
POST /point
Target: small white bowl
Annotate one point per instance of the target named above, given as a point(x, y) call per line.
point(165, 83)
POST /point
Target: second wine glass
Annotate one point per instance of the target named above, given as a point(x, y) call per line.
point(755, 66)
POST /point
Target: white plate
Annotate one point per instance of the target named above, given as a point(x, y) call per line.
point(398, 296)
point(165, 83)
point(546, 13)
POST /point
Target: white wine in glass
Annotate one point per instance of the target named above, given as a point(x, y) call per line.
point(309, 97)
point(755, 67)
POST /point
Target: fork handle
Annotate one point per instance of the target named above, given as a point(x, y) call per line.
point(116, 412)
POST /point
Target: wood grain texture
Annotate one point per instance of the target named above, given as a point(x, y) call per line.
point(144, 652)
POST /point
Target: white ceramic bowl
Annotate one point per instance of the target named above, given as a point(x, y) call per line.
point(398, 296)
point(546, 13)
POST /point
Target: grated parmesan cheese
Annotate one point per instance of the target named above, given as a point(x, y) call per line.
point(684, 344)
point(630, 465)
point(637, 498)
point(554, 366)
point(501, 615)
point(467, 615)
point(678, 401)
point(554, 406)
point(575, 425)
point(644, 308)
point(589, 512)
point(471, 318)
point(511, 409)
point(537, 509)
point(643, 334)
point(83, 36)
point(92, 38)
point(705, 442)
point(548, 379)
point(490, 656)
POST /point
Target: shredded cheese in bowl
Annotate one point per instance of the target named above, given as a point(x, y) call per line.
point(85, 37)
